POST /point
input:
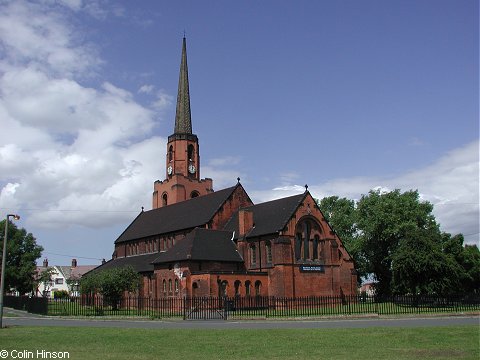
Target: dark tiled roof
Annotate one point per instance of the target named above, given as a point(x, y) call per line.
point(268, 217)
point(186, 214)
point(202, 244)
point(140, 263)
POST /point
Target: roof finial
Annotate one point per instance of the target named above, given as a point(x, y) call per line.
point(306, 187)
point(142, 208)
point(238, 180)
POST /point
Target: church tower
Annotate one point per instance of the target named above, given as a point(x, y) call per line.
point(182, 168)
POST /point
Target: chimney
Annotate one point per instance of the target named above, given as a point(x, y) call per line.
point(103, 261)
point(74, 263)
point(245, 222)
point(45, 262)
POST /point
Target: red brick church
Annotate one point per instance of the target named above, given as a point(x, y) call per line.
point(199, 242)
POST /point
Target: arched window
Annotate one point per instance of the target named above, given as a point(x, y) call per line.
point(176, 286)
point(194, 194)
point(298, 246)
point(268, 252)
point(222, 291)
point(248, 284)
point(191, 152)
point(170, 286)
point(194, 289)
point(164, 199)
point(170, 153)
point(258, 287)
point(316, 241)
point(253, 255)
point(307, 239)
point(237, 285)
point(164, 287)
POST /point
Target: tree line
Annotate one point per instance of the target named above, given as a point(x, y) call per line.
point(396, 241)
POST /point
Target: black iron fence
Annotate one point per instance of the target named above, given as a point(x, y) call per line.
point(34, 305)
point(246, 307)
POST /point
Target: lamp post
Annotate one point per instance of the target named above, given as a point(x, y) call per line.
point(4, 260)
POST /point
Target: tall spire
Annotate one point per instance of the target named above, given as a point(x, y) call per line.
point(183, 120)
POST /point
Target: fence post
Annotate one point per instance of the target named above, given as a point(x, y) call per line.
point(185, 307)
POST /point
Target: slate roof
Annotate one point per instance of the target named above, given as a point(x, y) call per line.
point(186, 214)
point(268, 217)
point(140, 263)
point(202, 244)
point(75, 272)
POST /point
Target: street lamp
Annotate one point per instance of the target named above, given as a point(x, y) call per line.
point(4, 260)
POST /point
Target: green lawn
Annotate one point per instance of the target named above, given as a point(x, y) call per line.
point(454, 342)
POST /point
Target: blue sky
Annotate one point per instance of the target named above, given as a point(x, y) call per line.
point(344, 96)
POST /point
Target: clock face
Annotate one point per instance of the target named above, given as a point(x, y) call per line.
point(170, 170)
point(191, 169)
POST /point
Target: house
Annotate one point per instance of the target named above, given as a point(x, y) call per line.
point(199, 242)
point(62, 278)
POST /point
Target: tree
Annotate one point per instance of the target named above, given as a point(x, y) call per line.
point(341, 214)
point(384, 219)
point(394, 237)
point(22, 254)
point(468, 257)
point(46, 277)
point(110, 283)
point(420, 267)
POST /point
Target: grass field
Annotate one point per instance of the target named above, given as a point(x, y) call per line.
point(458, 342)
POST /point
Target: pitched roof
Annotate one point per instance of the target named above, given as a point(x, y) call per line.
point(186, 214)
point(202, 244)
point(140, 263)
point(268, 217)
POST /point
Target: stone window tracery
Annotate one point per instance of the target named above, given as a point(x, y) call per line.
point(307, 240)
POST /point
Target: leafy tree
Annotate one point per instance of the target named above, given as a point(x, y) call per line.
point(341, 214)
point(22, 253)
point(394, 237)
point(110, 283)
point(46, 277)
point(384, 219)
point(471, 263)
point(419, 266)
point(468, 257)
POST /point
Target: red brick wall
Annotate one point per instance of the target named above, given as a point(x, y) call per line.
point(237, 200)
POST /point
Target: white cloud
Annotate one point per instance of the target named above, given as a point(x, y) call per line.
point(451, 184)
point(41, 37)
point(73, 155)
point(162, 101)
point(146, 89)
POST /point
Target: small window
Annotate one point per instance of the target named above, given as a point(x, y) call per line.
point(191, 152)
point(164, 199)
point(194, 194)
point(253, 255)
point(223, 288)
point(170, 153)
point(258, 287)
point(236, 285)
point(170, 286)
point(59, 281)
point(247, 287)
point(176, 286)
point(164, 286)
point(268, 250)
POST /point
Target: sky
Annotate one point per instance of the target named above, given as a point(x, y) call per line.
point(345, 96)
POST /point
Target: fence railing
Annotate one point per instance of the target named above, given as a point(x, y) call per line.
point(246, 307)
